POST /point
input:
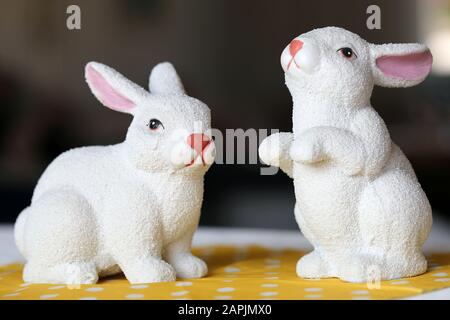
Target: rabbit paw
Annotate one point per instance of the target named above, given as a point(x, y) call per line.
point(311, 266)
point(188, 266)
point(358, 269)
point(307, 151)
point(269, 152)
point(149, 270)
point(71, 274)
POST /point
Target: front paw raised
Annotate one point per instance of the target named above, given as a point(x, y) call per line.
point(149, 270)
point(188, 266)
point(269, 151)
point(306, 152)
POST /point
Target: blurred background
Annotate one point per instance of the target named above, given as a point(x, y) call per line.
point(227, 53)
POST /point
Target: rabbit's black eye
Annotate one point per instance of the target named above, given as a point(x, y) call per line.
point(347, 53)
point(155, 124)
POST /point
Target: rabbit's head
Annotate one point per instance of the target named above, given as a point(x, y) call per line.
point(169, 131)
point(339, 64)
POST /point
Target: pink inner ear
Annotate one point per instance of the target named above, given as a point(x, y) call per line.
point(105, 93)
point(413, 66)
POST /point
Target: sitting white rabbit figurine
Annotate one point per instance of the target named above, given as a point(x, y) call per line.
point(130, 207)
point(358, 200)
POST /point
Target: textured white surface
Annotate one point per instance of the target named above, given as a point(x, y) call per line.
point(358, 200)
point(96, 210)
point(439, 241)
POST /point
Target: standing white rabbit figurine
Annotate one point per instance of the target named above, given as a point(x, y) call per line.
point(358, 200)
point(130, 207)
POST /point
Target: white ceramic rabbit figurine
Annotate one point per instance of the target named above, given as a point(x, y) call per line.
point(130, 207)
point(358, 200)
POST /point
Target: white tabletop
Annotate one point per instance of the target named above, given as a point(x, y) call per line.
point(439, 241)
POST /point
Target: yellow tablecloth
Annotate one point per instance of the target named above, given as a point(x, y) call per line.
point(235, 273)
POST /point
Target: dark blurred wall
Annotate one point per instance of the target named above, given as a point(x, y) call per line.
point(227, 53)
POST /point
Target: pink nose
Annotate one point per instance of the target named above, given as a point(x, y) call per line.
point(198, 141)
point(295, 46)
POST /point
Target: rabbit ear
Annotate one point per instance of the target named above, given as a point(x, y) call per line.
point(165, 80)
point(400, 65)
point(112, 89)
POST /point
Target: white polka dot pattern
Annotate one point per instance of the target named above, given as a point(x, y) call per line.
point(234, 273)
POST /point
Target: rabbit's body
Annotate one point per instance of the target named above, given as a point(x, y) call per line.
point(90, 173)
point(97, 166)
point(358, 200)
point(388, 215)
point(100, 210)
